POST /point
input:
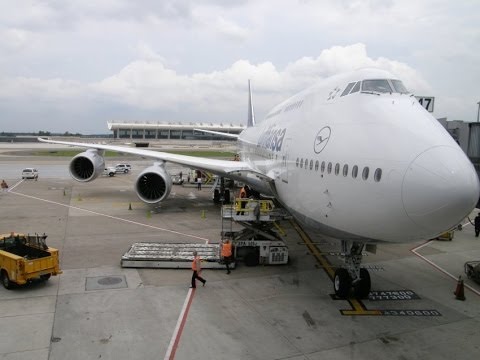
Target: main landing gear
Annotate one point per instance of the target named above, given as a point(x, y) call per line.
point(352, 277)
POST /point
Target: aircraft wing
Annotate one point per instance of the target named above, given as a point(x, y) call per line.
point(231, 169)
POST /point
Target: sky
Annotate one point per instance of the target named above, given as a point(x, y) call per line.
point(73, 65)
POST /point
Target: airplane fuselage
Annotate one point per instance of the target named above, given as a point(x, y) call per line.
point(364, 166)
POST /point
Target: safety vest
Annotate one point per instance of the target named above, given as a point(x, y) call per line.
point(227, 250)
point(194, 263)
point(243, 193)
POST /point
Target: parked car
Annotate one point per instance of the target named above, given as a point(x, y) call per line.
point(110, 171)
point(123, 168)
point(30, 173)
point(176, 180)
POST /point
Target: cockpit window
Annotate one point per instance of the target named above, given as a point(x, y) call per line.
point(380, 86)
point(347, 89)
point(399, 87)
point(356, 88)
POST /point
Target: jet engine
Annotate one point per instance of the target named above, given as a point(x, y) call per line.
point(87, 165)
point(153, 184)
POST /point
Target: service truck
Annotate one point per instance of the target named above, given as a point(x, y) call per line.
point(24, 258)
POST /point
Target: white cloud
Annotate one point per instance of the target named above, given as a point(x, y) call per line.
point(192, 58)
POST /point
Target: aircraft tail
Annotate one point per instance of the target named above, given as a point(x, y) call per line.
point(251, 114)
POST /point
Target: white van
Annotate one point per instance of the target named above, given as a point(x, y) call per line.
point(30, 173)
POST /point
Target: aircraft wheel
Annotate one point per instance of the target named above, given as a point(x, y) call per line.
point(216, 196)
point(7, 284)
point(362, 287)
point(342, 282)
point(251, 258)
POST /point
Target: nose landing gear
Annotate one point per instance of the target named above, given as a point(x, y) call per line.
point(352, 278)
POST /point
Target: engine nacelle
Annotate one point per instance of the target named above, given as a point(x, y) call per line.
point(153, 184)
point(87, 165)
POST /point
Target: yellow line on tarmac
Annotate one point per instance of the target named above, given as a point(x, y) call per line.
point(314, 250)
point(358, 307)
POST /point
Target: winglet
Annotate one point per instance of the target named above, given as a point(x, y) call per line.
point(251, 114)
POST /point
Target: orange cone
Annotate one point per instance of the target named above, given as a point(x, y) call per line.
point(459, 291)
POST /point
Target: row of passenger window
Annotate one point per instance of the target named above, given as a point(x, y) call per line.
point(309, 165)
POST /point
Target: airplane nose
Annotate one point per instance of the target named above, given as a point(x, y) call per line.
point(440, 188)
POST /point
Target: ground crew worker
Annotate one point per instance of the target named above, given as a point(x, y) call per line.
point(4, 185)
point(227, 254)
point(477, 225)
point(197, 269)
point(242, 195)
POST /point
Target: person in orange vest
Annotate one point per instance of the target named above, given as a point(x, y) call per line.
point(227, 254)
point(197, 269)
point(242, 195)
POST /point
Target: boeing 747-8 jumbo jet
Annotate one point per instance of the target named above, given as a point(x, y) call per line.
point(355, 157)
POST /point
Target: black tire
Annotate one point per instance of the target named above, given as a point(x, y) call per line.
point(111, 174)
point(126, 171)
point(226, 196)
point(362, 287)
point(251, 258)
point(342, 283)
point(216, 196)
point(45, 277)
point(7, 284)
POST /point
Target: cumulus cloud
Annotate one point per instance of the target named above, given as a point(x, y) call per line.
point(150, 84)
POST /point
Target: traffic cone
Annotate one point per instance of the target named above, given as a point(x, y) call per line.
point(203, 214)
point(129, 206)
point(459, 291)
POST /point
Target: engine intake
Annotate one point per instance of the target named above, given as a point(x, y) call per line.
point(87, 165)
point(153, 184)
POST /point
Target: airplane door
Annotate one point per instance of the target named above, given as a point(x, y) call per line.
point(285, 160)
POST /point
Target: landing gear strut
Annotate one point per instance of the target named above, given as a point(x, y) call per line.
point(352, 276)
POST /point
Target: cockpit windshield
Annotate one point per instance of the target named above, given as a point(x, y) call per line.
point(399, 87)
point(380, 86)
point(376, 86)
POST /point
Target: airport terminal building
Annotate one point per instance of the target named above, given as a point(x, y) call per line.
point(170, 130)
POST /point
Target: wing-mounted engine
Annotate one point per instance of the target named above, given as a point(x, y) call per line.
point(87, 165)
point(153, 184)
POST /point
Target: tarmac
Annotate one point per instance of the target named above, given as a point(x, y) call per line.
point(98, 310)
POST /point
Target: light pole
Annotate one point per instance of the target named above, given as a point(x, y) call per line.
point(478, 111)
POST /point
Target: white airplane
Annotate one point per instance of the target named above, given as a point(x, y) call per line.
point(355, 157)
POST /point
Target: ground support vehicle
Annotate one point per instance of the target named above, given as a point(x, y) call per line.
point(109, 171)
point(172, 256)
point(30, 173)
point(24, 258)
point(123, 168)
point(259, 241)
point(472, 269)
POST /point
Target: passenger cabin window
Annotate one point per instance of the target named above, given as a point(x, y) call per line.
point(329, 168)
point(337, 168)
point(298, 161)
point(354, 171)
point(322, 167)
point(316, 165)
point(356, 88)
point(311, 164)
point(301, 163)
point(380, 85)
point(347, 89)
point(365, 172)
point(345, 170)
point(378, 175)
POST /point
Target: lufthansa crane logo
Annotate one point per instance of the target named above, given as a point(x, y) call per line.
point(321, 139)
